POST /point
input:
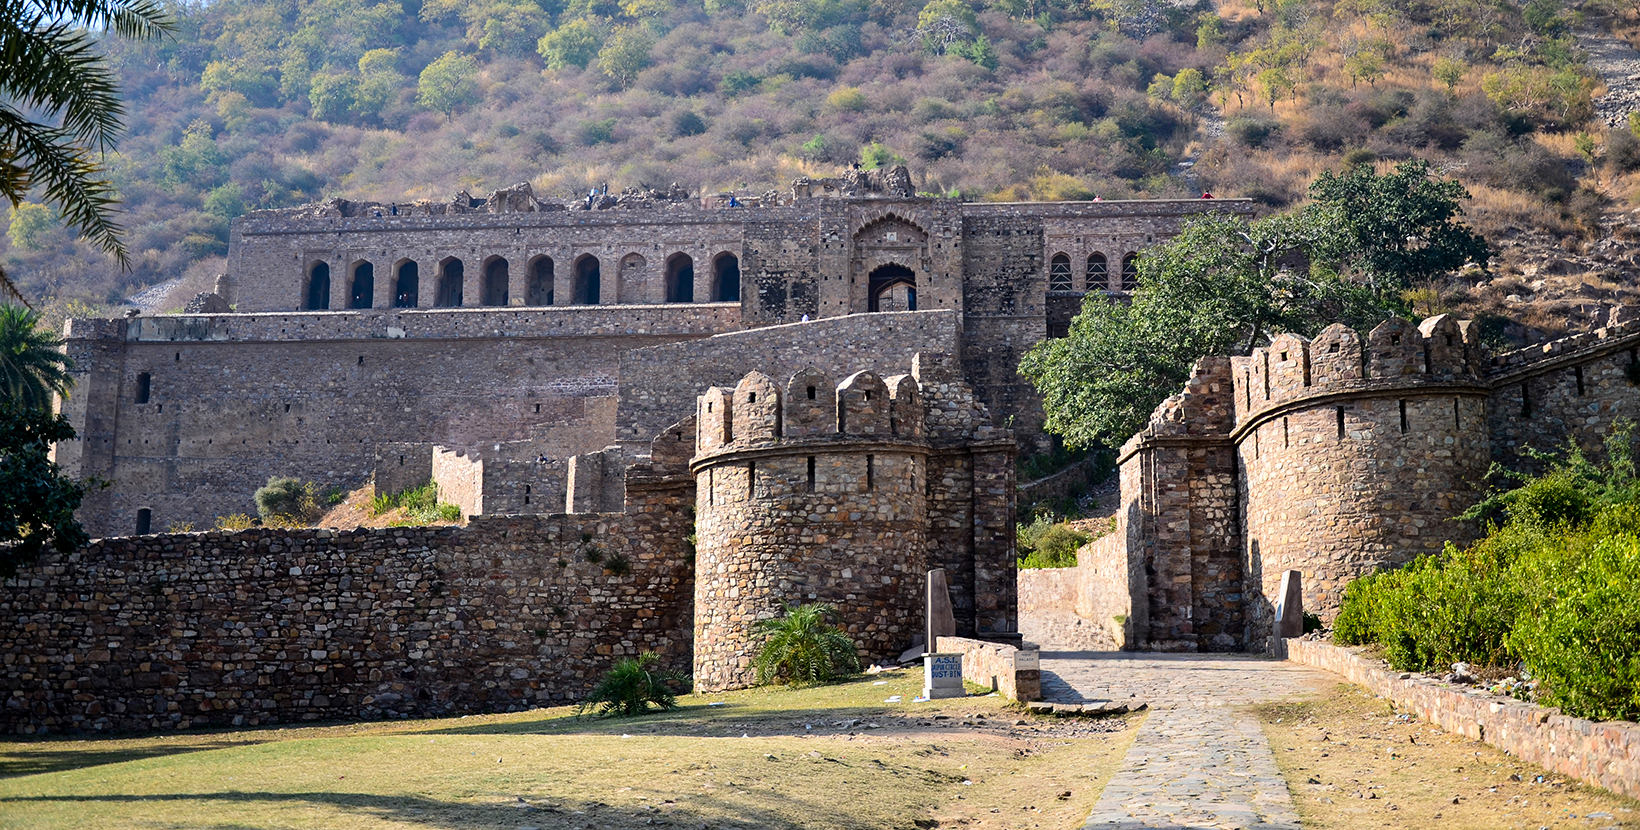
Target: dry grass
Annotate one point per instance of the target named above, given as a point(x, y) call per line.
point(765, 758)
point(1352, 762)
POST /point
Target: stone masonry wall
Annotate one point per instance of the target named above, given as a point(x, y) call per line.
point(236, 399)
point(659, 384)
point(1602, 754)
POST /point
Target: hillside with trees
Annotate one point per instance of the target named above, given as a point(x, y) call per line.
point(260, 104)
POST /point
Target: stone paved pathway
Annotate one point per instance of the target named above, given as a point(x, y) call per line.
point(1198, 762)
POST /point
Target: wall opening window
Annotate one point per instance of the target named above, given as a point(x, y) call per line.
point(1130, 272)
point(1059, 273)
point(363, 294)
point(451, 274)
point(145, 521)
point(145, 384)
point(407, 289)
point(318, 288)
point(811, 474)
point(680, 279)
point(1098, 275)
point(540, 287)
point(588, 281)
point(726, 278)
point(495, 282)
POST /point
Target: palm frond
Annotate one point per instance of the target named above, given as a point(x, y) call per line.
point(802, 646)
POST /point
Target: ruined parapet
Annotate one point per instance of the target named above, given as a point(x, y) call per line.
point(1354, 455)
point(207, 303)
point(402, 466)
point(597, 482)
point(835, 512)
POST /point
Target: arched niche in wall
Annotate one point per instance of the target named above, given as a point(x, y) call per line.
point(495, 281)
point(362, 291)
point(588, 280)
point(539, 290)
point(680, 278)
point(407, 284)
point(451, 272)
point(316, 292)
point(726, 278)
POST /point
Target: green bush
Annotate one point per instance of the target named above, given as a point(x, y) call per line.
point(1581, 635)
point(420, 504)
point(802, 646)
point(288, 501)
point(1048, 544)
point(1552, 589)
point(632, 687)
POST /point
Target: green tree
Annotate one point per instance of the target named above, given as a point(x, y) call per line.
point(1402, 228)
point(802, 646)
point(943, 24)
point(33, 366)
point(626, 54)
point(1449, 71)
point(60, 106)
point(37, 502)
point(29, 225)
point(333, 95)
point(379, 82)
point(875, 155)
point(1219, 287)
point(502, 27)
point(1189, 88)
point(575, 43)
point(449, 84)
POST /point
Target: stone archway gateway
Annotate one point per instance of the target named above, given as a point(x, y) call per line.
point(893, 287)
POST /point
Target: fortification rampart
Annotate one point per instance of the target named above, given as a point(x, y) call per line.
point(809, 489)
point(1333, 457)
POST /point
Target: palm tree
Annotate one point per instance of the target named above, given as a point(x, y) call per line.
point(802, 647)
point(32, 362)
point(60, 106)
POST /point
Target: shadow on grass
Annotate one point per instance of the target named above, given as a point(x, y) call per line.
point(775, 811)
point(17, 759)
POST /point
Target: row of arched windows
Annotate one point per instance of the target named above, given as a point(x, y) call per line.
point(1096, 276)
point(586, 285)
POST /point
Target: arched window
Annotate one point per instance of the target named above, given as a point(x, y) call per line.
point(726, 278)
point(1130, 272)
point(408, 286)
point(145, 521)
point(588, 281)
point(1098, 272)
point(1059, 273)
point(451, 274)
point(363, 294)
point(893, 288)
point(318, 287)
point(540, 288)
point(495, 282)
point(680, 279)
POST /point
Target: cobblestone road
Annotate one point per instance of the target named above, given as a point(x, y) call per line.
point(1198, 762)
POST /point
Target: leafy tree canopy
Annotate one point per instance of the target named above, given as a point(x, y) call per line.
point(1224, 287)
point(37, 502)
point(60, 106)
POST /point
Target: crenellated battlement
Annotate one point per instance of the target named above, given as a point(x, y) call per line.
point(758, 412)
point(1396, 354)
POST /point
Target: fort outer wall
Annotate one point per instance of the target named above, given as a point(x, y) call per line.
point(282, 626)
point(233, 399)
point(1350, 454)
point(811, 258)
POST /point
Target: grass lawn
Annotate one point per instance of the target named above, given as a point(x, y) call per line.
point(1352, 761)
point(828, 757)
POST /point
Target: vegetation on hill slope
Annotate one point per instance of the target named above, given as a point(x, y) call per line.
point(269, 104)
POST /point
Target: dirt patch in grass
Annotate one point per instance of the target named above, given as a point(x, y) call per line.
point(1352, 761)
point(829, 757)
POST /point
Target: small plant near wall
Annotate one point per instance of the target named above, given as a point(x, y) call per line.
point(803, 646)
point(633, 687)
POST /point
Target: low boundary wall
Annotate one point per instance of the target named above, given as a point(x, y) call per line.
point(1604, 754)
point(1014, 673)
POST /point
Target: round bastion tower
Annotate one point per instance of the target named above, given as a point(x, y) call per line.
point(1355, 455)
point(811, 493)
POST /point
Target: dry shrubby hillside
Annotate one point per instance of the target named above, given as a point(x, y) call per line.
point(259, 104)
